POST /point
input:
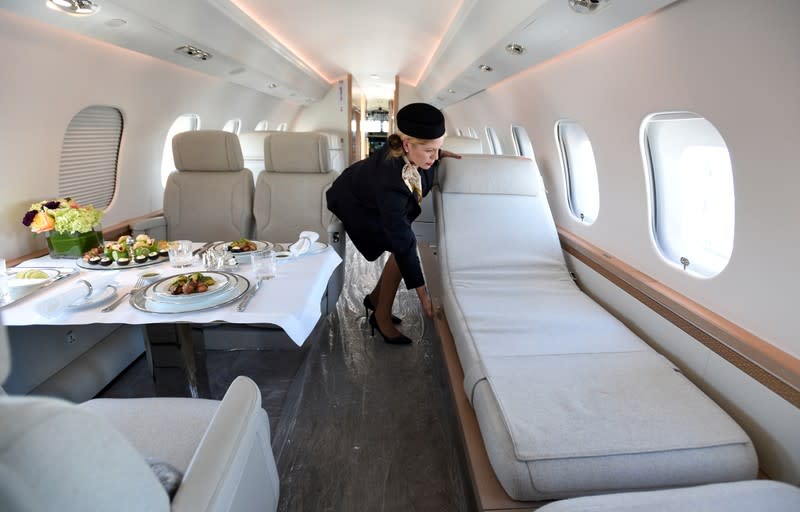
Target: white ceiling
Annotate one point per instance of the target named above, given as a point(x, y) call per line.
point(295, 49)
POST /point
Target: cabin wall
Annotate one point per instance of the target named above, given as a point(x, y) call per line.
point(736, 64)
point(329, 115)
point(49, 75)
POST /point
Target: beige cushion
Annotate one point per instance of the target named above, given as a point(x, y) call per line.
point(489, 174)
point(207, 150)
point(292, 152)
point(462, 145)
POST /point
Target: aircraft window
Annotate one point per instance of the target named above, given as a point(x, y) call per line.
point(282, 127)
point(470, 132)
point(494, 142)
point(459, 132)
point(88, 169)
point(580, 170)
point(233, 126)
point(522, 143)
point(262, 126)
point(691, 187)
point(184, 123)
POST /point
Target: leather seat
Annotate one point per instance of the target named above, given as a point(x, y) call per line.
point(462, 145)
point(210, 196)
point(55, 455)
point(290, 195)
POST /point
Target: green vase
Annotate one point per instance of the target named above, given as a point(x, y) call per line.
point(72, 245)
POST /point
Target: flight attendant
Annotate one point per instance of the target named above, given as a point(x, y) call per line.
point(379, 197)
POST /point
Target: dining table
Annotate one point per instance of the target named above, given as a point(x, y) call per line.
point(289, 301)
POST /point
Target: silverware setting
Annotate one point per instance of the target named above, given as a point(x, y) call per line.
point(204, 248)
point(246, 300)
point(140, 283)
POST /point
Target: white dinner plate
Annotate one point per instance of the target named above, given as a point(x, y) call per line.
point(16, 282)
point(160, 291)
point(242, 257)
point(144, 300)
point(95, 299)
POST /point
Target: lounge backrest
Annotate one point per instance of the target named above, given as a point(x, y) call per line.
point(462, 145)
point(499, 191)
point(290, 194)
point(210, 196)
point(336, 150)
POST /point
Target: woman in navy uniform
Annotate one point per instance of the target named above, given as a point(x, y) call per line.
point(379, 197)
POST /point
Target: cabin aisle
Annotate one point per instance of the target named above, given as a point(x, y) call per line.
point(374, 427)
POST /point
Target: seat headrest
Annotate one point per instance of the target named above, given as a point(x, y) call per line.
point(207, 150)
point(489, 174)
point(300, 152)
point(463, 145)
point(252, 144)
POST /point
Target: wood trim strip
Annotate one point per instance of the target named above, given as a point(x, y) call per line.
point(764, 362)
point(109, 233)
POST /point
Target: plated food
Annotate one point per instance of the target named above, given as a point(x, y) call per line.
point(124, 252)
point(242, 245)
point(33, 273)
point(195, 282)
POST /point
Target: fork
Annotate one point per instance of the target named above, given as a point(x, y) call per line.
point(242, 305)
point(136, 287)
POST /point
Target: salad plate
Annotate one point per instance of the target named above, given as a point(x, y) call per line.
point(22, 285)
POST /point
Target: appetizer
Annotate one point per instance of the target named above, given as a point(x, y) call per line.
point(125, 249)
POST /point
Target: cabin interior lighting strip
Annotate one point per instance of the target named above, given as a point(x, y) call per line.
point(74, 7)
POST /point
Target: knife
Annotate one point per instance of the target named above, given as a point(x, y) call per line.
point(203, 249)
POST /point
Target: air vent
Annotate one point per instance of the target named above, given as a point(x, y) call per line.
point(515, 49)
point(485, 67)
point(193, 52)
point(587, 6)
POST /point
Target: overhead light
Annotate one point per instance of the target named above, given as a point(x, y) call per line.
point(485, 67)
point(515, 49)
point(193, 52)
point(272, 85)
point(587, 6)
point(74, 7)
point(451, 91)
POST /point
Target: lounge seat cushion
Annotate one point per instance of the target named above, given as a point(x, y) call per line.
point(569, 400)
point(749, 496)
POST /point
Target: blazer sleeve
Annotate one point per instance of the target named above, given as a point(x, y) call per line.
point(392, 207)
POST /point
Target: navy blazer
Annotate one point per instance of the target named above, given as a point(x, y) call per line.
point(377, 209)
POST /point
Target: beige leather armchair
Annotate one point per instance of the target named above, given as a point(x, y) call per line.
point(210, 196)
point(55, 455)
point(290, 195)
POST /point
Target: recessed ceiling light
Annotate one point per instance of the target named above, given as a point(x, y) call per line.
point(485, 67)
point(515, 49)
point(116, 22)
point(193, 52)
point(74, 7)
point(272, 85)
point(451, 91)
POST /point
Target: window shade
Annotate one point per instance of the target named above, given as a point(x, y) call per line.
point(88, 170)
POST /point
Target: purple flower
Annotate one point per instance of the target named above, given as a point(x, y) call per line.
point(52, 205)
point(28, 218)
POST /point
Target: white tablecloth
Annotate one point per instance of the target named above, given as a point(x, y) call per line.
point(291, 300)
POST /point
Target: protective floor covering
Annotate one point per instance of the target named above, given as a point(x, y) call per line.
point(357, 424)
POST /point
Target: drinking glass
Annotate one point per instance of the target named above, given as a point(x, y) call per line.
point(264, 265)
point(180, 253)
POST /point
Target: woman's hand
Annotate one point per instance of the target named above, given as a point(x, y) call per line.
point(443, 153)
point(427, 306)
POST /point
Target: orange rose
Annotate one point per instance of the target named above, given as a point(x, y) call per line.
point(42, 222)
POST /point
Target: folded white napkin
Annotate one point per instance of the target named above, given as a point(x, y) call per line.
point(57, 302)
point(304, 243)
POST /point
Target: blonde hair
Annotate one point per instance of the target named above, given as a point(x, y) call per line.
point(396, 140)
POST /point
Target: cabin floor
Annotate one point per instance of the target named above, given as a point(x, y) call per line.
point(357, 424)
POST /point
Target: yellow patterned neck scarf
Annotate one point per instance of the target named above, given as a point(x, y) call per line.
point(412, 179)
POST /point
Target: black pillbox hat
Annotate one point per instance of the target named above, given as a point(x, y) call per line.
point(420, 120)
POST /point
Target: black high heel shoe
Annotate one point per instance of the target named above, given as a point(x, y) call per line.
point(397, 340)
point(369, 306)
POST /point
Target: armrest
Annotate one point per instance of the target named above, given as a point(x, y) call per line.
point(237, 440)
point(154, 227)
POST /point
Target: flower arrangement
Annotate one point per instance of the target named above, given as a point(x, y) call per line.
point(62, 215)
